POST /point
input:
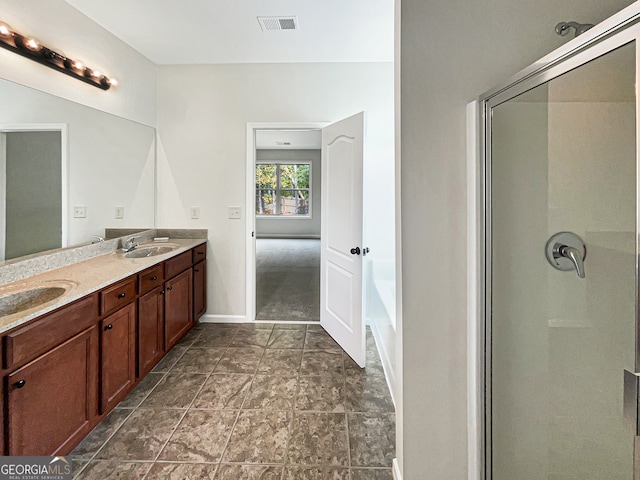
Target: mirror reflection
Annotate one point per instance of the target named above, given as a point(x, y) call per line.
point(68, 171)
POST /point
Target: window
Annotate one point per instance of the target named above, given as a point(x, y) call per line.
point(283, 189)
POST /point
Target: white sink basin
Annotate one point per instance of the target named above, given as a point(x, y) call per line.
point(21, 298)
point(150, 251)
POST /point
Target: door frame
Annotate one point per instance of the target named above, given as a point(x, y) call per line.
point(63, 128)
point(250, 226)
point(620, 29)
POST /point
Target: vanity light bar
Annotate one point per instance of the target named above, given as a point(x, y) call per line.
point(31, 48)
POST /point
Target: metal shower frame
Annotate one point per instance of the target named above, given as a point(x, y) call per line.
point(618, 30)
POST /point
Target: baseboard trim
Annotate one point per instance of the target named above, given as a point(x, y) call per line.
point(396, 470)
point(210, 318)
point(389, 373)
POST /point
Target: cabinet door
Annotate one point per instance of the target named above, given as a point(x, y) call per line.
point(52, 399)
point(150, 330)
point(117, 356)
point(199, 289)
point(178, 311)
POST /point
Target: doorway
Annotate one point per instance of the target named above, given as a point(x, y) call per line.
point(32, 189)
point(287, 224)
point(341, 248)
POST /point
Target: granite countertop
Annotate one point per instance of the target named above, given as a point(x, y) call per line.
point(85, 277)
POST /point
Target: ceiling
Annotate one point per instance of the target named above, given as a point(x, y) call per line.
point(170, 32)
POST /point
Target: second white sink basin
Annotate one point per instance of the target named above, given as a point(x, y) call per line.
point(150, 251)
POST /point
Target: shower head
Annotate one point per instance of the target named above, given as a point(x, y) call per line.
point(563, 27)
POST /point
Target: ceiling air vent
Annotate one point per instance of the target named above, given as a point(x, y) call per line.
point(279, 23)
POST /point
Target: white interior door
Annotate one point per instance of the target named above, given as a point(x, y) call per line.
point(341, 235)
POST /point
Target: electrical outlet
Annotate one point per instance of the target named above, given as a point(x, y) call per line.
point(119, 212)
point(79, 211)
point(235, 212)
point(194, 213)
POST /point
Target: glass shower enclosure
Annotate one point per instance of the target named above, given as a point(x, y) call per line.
point(560, 263)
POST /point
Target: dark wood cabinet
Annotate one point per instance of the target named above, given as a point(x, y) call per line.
point(117, 356)
point(199, 289)
point(52, 400)
point(151, 278)
point(178, 307)
point(150, 330)
point(118, 295)
point(64, 371)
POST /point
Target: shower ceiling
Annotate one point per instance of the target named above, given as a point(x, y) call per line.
point(210, 32)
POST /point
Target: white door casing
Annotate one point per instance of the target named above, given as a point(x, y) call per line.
point(341, 231)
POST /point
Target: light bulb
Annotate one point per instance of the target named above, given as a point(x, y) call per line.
point(78, 64)
point(32, 44)
point(5, 30)
point(113, 82)
point(96, 73)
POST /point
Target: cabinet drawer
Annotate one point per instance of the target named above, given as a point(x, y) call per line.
point(29, 342)
point(117, 295)
point(150, 279)
point(199, 253)
point(176, 265)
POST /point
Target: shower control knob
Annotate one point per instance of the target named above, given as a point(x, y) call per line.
point(566, 251)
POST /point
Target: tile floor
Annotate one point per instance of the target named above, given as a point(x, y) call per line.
point(259, 401)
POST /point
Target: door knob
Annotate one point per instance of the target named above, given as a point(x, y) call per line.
point(566, 251)
point(19, 383)
point(355, 251)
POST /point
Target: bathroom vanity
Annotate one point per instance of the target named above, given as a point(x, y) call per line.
point(69, 361)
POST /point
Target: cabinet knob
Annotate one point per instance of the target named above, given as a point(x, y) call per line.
point(154, 278)
point(19, 383)
point(196, 270)
point(108, 327)
point(122, 295)
point(169, 288)
point(161, 292)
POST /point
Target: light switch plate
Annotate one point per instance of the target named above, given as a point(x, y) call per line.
point(79, 211)
point(235, 212)
point(119, 212)
point(194, 213)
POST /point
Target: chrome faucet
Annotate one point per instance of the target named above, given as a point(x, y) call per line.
point(98, 239)
point(130, 244)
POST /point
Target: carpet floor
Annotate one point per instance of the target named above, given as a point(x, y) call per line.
point(288, 279)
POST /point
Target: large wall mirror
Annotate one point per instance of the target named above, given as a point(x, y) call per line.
point(68, 171)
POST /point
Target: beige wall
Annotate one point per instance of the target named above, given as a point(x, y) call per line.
point(203, 113)
point(451, 52)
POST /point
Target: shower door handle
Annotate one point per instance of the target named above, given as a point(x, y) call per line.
point(566, 251)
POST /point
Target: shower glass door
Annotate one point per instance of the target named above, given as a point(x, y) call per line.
point(563, 159)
